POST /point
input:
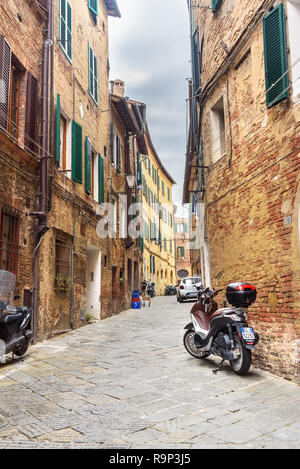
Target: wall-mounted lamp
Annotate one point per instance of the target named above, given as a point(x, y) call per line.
point(130, 178)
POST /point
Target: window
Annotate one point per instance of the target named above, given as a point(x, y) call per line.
point(100, 179)
point(65, 28)
point(196, 61)
point(94, 176)
point(217, 115)
point(88, 166)
point(31, 113)
point(275, 56)
point(180, 252)
point(112, 143)
point(118, 153)
point(162, 187)
point(93, 7)
point(14, 100)
point(76, 152)
point(152, 264)
point(215, 5)
point(5, 67)
point(91, 170)
point(9, 240)
point(63, 243)
point(169, 194)
point(114, 215)
point(93, 75)
point(64, 140)
point(293, 13)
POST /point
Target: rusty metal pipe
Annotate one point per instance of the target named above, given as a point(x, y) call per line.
point(42, 214)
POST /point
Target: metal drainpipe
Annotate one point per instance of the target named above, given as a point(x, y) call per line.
point(52, 143)
point(72, 290)
point(41, 215)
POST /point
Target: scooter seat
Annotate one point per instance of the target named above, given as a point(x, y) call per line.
point(203, 319)
point(9, 319)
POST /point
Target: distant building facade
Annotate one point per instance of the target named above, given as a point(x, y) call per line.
point(182, 248)
point(158, 219)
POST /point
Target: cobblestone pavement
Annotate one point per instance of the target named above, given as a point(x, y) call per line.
point(127, 382)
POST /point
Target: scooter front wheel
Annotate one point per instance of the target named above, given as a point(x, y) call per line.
point(22, 349)
point(189, 344)
point(242, 363)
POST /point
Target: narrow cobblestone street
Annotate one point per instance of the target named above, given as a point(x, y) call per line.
point(127, 382)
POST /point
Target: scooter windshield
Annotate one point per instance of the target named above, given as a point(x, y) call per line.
point(7, 286)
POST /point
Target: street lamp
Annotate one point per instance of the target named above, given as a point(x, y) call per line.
point(130, 178)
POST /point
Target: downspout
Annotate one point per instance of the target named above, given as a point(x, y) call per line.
point(52, 143)
point(41, 215)
point(194, 99)
point(72, 289)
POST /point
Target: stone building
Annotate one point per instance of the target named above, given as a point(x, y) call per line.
point(242, 163)
point(21, 100)
point(158, 218)
point(79, 264)
point(184, 267)
point(123, 177)
point(66, 147)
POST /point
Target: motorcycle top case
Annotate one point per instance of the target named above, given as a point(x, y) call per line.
point(241, 294)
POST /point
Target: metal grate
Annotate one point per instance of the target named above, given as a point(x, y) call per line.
point(9, 240)
point(62, 256)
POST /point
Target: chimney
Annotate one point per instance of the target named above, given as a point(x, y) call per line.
point(118, 88)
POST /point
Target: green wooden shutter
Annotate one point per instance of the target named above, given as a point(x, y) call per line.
point(112, 137)
point(58, 129)
point(5, 66)
point(215, 5)
point(88, 166)
point(44, 4)
point(275, 56)
point(76, 152)
point(93, 7)
point(31, 113)
point(101, 179)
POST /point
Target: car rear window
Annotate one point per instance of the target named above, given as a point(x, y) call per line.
point(191, 281)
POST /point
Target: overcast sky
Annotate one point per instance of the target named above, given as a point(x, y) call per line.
point(150, 52)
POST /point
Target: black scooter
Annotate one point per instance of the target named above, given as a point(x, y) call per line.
point(151, 289)
point(223, 332)
point(15, 321)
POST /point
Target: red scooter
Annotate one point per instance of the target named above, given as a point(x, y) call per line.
point(223, 332)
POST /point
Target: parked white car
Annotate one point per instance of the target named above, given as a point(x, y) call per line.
point(187, 288)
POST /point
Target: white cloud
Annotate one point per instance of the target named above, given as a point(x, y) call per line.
point(149, 50)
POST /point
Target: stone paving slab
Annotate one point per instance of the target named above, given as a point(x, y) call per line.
point(140, 390)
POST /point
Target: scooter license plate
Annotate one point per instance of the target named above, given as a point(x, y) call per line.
point(248, 333)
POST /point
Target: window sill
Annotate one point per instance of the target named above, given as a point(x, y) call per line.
point(93, 99)
point(219, 159)
point(65, 54)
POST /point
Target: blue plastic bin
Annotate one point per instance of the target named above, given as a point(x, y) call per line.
point(135, 305)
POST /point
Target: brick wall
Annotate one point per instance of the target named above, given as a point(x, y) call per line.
point(252, 189)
